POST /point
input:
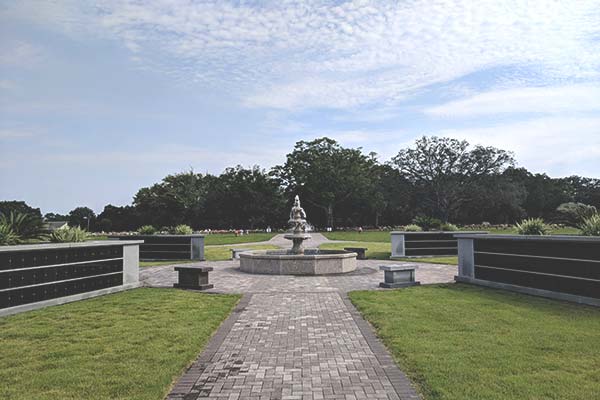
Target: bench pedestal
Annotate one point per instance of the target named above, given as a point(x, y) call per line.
point(193, 277)
point(398, 276)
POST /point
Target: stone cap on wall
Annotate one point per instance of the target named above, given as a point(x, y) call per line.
point(50, 246)
point(538, 238)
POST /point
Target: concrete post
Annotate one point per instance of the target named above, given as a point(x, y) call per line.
point(397, 245)
point(197, 244)
point(466, 258)
point(131, 264)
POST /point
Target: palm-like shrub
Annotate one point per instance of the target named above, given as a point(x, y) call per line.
point(413, 228)
point(532, 226)
point(68, 235)
point(25, 226)
point(449, 227)
point(147, 230)
point(8, 236)
point(182, 230)
point(591, 226)
point(427, 223)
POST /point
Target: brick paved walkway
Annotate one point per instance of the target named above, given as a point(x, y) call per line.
point(294, 337)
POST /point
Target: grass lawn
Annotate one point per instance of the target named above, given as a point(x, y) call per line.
point(222, 253)
point(382, 251)
point(384, 236)
point(215, 253)
point(464, 342)
point(230, 238)
point(129, 345)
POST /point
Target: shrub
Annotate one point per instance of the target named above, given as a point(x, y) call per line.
point(591, 226)
point(8, 236)
point(574, 214)
point(69, 235)
point(413, 228)
point(427, 223)
point(448, 227)
point(532, 226)
point(147, 230)
point(182, 230)
point(25, 226)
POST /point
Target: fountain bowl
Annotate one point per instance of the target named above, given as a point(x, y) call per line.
point(284, 262)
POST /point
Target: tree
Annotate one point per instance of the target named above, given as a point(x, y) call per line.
point(178, 199)
point(55, 217)
point(6, 207)
point(244, 198)
point(327, 176)
point(83, 217)
point(443, 169)
point(118, 219)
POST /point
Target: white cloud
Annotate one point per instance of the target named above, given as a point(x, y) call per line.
point(293, 54)
point(571, 98)
point(14, 134)
point(19, 54)
point(555, 145)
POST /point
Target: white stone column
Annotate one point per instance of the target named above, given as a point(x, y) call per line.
point(131, 264)
point(466, 258)
point(397, 244)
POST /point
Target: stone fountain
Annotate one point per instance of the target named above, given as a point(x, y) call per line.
point(298, 260)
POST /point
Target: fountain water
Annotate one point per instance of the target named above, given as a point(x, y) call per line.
point(298, 261)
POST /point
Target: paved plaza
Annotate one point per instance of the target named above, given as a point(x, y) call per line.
point(294, 337)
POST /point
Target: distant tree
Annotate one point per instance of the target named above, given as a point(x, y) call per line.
point(178, 199)
point(55, 217)
point(245, 198)
point(118, 219)
point(327, 175)
point(83, 217)
point(543, 194)
point(444, 169)
point(574, 214)
point(19, 207)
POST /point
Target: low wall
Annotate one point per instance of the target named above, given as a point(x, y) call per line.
point(34, 276)
point(168, 247)
point(435, 243)
point(560, 267)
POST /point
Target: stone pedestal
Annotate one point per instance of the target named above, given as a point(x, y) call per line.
point(193, 277)
point(297, 240)
point(398, 276)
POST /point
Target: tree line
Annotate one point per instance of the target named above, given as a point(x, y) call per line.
point(438, 177)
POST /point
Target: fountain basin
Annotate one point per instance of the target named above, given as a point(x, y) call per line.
point(312, 262)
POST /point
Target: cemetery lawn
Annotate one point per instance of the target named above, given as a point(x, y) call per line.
point(459, 341)
point(129, 345)
point(211, 253)
point(382, 251)
point(230, 238)
point(384, 236)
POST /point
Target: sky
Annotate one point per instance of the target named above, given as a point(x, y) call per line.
point(99, 99)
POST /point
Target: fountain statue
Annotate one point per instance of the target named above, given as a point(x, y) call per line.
point(297, 260)
point(298, 223)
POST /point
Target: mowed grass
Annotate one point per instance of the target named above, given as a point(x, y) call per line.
point(130, 345)
point(230, 238)
point(384, 236)
point(382, 251)
point(215, 253)
point(463, 342)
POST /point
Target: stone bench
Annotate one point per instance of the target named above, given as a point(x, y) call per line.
point(193, 277)
point(398, 275)
point(360, 251)
point(235, 253)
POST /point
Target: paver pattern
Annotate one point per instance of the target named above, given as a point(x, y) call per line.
point(294, 337)
point(227, 278)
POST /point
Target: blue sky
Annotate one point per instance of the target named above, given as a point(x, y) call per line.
point(98, 99)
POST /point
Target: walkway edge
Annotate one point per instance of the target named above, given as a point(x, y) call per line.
point(398, 379)
point(185, 383)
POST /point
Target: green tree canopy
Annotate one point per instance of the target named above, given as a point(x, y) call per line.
point(444, 169)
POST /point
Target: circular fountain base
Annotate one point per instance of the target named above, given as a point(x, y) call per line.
point(312, 262)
